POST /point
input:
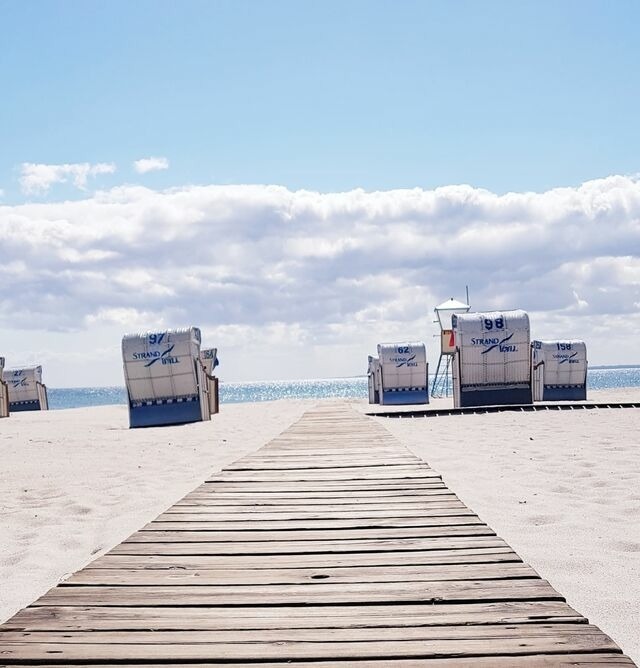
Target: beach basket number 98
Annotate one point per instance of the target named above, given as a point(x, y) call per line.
point(489, 324)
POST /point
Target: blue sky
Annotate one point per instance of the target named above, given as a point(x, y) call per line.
point(289, 176)
point(327, 95)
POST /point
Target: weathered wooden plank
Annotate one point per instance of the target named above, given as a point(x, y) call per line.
point(303, 496)
point(582, 660)
point(209, 505)
point(261, 523)
point(334, 476)
point(338, 457)
point(192, 506)
point(120, 576)
point(434, 499)
point(302, 644)
point(399, 494)
point(309, 547)
point(321, 560)
point(297, 536)
point(393, 592)
point(63, 618)
point(272, 515)
point(265, 486)
point(431, 495)
point(313, 463)
point(344, 456)
point(181, 532)
point(494, 632)
point(258, 510)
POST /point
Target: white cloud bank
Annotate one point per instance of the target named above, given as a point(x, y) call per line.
point(261, 268)
point(37, 178)
point(145, 165)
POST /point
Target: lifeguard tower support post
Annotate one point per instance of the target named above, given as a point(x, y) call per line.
point(444, 312)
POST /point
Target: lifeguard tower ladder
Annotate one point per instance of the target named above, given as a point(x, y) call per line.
point(441, 386)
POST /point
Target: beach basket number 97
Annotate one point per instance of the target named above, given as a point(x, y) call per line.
point(489, 324)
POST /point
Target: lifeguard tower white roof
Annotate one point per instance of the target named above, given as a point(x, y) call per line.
point(447, 309)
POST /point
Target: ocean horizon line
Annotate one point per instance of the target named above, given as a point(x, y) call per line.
point(596, 367)
point(603, 377)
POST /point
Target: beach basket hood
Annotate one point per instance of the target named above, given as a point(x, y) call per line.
point(492, 359)
point(404, 373)
point(560, 370)
point(26, 390)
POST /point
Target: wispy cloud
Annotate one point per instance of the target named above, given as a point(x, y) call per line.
point(145, 165)
point(339, 269)
point(37, 178)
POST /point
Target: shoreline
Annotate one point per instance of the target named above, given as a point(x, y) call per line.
point(594, 395)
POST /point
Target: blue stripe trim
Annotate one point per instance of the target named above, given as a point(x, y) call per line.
point(163, 402)
point(422, 388)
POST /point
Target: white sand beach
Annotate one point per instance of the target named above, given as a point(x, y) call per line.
point(563, 488)
point(74, 483)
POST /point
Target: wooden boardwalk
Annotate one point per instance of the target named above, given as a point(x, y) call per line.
point(332, 546)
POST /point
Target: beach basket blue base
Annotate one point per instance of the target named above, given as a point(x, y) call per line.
point(499, 396)
point(405, 397)
point(156, 415)
point(559, 393)
point(24, 406)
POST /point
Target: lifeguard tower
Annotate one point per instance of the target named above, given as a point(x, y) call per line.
point(441, 386)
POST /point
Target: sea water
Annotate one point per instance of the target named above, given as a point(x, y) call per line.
point(342, 388)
